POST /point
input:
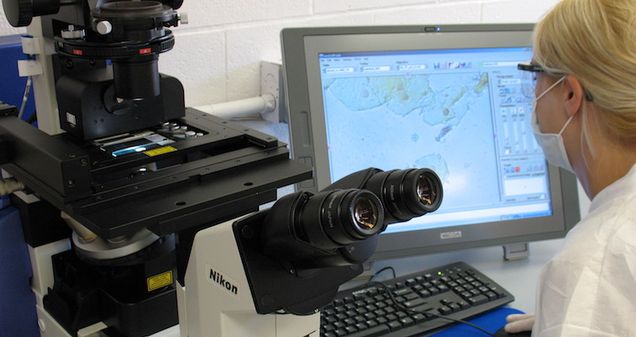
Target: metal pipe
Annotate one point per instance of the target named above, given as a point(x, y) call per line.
point(249, 108)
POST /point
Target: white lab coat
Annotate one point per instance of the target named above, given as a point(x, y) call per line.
point(589, 288)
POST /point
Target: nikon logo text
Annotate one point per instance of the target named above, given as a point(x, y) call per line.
point(219, 279)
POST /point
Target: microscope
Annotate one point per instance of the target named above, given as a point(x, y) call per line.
point(143, 214)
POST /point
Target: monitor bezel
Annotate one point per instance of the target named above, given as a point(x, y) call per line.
point(301, 48)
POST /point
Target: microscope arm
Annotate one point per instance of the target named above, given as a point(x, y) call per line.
point(218, 298)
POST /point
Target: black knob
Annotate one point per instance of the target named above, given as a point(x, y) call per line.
point(20, 12)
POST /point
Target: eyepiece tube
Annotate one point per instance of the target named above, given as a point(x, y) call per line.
point(337, 218)
point(310, 229)
point(407, 194)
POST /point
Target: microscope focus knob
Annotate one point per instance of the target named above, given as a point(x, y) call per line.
point(104, 27)
point(20, 12)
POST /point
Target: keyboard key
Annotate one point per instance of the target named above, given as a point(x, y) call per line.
point(375, 331)
point(491, 295)
point(394, 325)
point(422, 308)
point(415, 303)
point(406, 321)
point(370, 315)
point(361, 326)
point(479, 299)
point(411, 296)
point(445, 310)
point(420, 317)
point(425, 293)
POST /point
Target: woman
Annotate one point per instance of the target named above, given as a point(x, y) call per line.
point(585, 121)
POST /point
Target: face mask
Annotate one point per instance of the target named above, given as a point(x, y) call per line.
point(551, 143)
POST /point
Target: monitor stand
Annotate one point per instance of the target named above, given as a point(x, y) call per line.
point(516, 251)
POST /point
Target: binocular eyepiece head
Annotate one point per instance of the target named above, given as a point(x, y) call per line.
point(324, 229)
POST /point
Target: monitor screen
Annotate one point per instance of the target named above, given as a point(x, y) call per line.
point(448, 98)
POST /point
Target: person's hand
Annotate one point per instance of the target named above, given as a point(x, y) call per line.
point(519, 322)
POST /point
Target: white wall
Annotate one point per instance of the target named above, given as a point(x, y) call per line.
point(217, 55)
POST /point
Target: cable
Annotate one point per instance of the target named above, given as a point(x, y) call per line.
point(380, 271)
point(403, 307)
point(25, 97)
point(33, 118)
point(8, 186)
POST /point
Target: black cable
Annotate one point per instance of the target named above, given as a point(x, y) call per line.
point(380, 271)
point(33, 118)
point(403, 307)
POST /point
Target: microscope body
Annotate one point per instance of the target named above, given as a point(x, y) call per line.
point(134, 175)
point(218, 298)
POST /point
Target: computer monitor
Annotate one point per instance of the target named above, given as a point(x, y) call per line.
point(449, 98)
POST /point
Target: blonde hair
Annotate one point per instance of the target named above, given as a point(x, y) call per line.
point(595, 40)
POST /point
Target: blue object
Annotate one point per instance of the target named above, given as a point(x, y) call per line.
point(17, 301)
point(11, 84)
point(491, 321)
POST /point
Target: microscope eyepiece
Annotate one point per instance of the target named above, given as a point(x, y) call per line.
point(341, 217)
point(310, 225)
point(407, 194)
point(365, 214)
point(427, 191)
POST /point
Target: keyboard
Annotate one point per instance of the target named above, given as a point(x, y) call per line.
point(455, 290)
